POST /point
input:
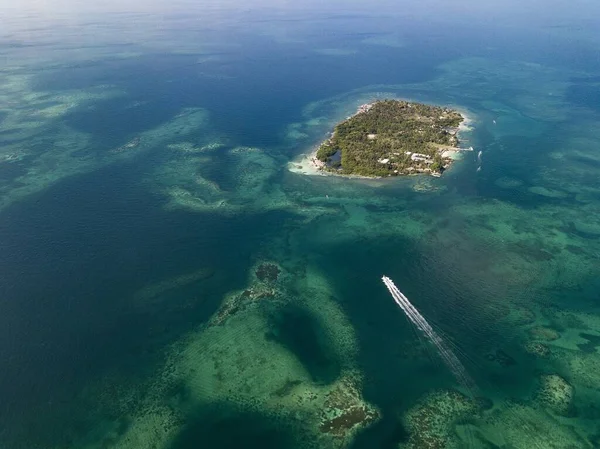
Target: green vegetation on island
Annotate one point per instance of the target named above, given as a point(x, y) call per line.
point(392, 137)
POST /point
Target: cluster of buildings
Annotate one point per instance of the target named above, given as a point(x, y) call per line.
point(419, 157)
point(364, 108)
point(416, 157)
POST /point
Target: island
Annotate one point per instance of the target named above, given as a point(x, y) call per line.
point(391, 138)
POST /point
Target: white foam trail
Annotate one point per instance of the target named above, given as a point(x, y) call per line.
point(418, 320)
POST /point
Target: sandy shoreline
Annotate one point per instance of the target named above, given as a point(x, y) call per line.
point(308, 164)
point(466, 124)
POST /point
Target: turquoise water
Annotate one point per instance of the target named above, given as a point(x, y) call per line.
point(167, 282)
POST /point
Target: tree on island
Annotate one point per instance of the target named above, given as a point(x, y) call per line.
point(438, 163)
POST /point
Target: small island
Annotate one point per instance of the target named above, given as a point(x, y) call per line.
point(391, 138)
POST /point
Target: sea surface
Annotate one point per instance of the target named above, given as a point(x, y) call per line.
point(167, 282)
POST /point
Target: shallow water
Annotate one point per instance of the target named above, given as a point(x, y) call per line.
point(168, 283)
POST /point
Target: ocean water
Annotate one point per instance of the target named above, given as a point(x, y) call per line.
point(167, 282)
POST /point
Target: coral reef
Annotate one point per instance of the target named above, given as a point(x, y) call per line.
point(344, 410)
point(556, 394)
point(261, 287)
point(267, 272)
point(240, 300)
point(432, 421)
point(538, 349)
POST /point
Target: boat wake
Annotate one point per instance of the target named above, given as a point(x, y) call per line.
point(421, 323)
